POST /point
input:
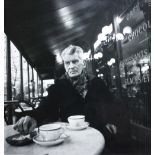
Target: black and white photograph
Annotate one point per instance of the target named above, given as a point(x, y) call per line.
point(77, 77)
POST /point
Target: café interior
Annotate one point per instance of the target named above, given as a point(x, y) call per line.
point(115, 36)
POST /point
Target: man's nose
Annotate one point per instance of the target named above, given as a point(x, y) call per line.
point(71, 65)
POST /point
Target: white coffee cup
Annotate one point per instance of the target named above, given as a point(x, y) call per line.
point(50, 132)
point(76, 120)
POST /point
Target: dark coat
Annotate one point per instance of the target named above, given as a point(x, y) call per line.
point(99, 107)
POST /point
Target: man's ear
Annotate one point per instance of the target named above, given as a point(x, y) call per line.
point(84, 63)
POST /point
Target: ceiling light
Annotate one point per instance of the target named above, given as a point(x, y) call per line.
point(145, 68)
point(58, 57)
point(112, 60)
point(107, 29)
point(127, 30)
point(66, 17)
point(109, 63)
point(101, 36)
point(86, 55)
point(96, 44)
point(119, 36)
point(95, 56)
point(100, 55)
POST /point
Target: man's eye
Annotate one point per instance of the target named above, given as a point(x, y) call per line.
point(67, 63)
point(75, 61)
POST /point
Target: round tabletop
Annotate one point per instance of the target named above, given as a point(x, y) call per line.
point(83, 142)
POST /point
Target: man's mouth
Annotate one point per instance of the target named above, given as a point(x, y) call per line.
point(73, 72)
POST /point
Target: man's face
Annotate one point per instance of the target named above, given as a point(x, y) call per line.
point(73, 65)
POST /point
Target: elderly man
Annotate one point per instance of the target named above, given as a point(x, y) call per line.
point(74, 93)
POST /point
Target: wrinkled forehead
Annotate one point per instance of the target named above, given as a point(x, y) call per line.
point(71, 57)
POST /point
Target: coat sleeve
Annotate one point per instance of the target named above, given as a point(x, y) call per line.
point(107, 110)
point(48, 111)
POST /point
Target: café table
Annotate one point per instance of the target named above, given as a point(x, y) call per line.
point(82, 142)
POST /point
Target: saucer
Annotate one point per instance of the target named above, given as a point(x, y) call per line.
point(37, 139)
point(84, 126)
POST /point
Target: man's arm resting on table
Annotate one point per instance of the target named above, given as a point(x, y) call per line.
point(25, 125)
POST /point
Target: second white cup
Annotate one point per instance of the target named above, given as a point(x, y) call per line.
point(76, 120)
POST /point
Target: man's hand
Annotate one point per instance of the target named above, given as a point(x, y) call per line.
point(111, 128)
point(25, 125)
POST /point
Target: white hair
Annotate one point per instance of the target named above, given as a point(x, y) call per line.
point(71, 49)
